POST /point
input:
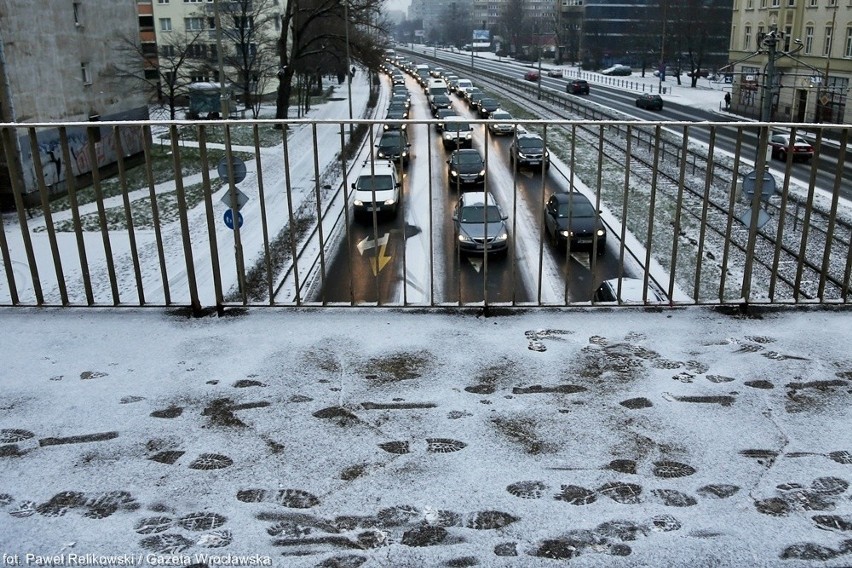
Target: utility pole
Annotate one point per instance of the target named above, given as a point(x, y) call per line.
point(662, 67)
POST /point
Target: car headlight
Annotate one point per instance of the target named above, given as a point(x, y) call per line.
point(481, 173)
point(390, 201)
point(469, 135)
point(454, 173)
point(403, 126)
point(387, 126)
point(522, 156)
point(502, 236)
point(404, 154)
point(382, 154)
point(565, 234)
point(463, 238)
point(358, 203)
point(601, 232)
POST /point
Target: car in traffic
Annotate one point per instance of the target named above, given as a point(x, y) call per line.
point(555, 72)
point(438, 102)
point(398, 78)
point(501, 128)
point(471, 94)
point(532, 76)
point(394, 146)
point(618, 71)
point(527, 149)
point(441, 115)
point(457, 133)
point(462, 85)
point(480, 224)
point(393, 116)
point(648, 101)
point(401, 98)
point(577, 87)
point(401, 90)
point(628, 290)
point(486, 106)
point(376, 189)
point(571, 218)
point(780, 144)
point(398, 106)
point(465, 167)
point(452, 83)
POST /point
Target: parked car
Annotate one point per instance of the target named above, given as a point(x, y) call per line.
point(571, 217)
point(780, 144)
point(394, 146)
point(555, 72)
point(528, 149)
point(486, 106)
point(457, 133)
point(377, 188)
point(631, 292)
point(465, 167)
point(532, 76)
point(480, 224)
point(499, 128)
point(618, 70)
point(441, 115)
point(649, 101)
point(577, 87)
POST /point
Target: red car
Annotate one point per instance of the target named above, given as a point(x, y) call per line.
point(780, 143)
point(532, 76)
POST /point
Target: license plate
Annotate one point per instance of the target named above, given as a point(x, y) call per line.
point(534, 162)
point(584, 241)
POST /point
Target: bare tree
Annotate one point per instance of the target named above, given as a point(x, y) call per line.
point(701, 32)
point(165, 81)
point(313, 40)
point(249, 47)
point(514, 24)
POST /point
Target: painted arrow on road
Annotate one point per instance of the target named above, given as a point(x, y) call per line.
point(381, 259)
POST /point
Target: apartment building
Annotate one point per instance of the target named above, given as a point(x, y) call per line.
point(62, 75)
point(813, 59)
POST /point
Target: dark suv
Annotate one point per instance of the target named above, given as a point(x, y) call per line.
point(577, 87)
point(528, 149)
point(571, 217)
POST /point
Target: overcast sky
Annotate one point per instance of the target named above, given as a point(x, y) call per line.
point(398, 5)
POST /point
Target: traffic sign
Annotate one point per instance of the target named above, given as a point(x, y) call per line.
point(237, 165)
point(242, 198)
point(229, 219)
point(768, 189)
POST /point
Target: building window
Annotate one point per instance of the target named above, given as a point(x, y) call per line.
point(162, 1)
point(733, 35)
point(211, 23)
point(826, 47)
point(776, 3)
point(791, 3)
point(194, 24)
point(167, 50)
point(749, 4)
point(763, 3)
point(809, 39)
point(196, 50)
point(214, 53)
point(848, 51)
point(788, 34)
point(149, 49)
point(192, 1)
point(242, 23)
point(146, 22)
point(165, 24)
point(812, 3)
point(747, 38)
point(86, 73)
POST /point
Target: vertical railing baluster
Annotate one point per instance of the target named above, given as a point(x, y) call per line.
point(194, 302)
point(211, 219)
point(155, 213)
point(99, 202)
point(128, 215)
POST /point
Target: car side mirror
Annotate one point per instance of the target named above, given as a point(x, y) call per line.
point(353, 185)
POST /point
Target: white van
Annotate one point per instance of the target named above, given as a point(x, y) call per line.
point(377, 188)
point(437, 87)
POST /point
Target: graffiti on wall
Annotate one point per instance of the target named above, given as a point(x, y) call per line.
point(54, 169)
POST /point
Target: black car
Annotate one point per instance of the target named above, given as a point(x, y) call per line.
point(441, 115)
point(398, 106)
point(650, 102)
point(395, 114)
point(439, 101)
point(394, 146)
point(401, 98)
point(528, 150)
point(571, 216)
point(466, 167)
point(577, 87)
point(486, 106)
point(471, 93)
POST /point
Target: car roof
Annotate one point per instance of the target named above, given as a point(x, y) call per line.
point(570, 196)
point(377, 168)
point(527, 135)
point(631, 290)
point(467, 151)
point(473, 198)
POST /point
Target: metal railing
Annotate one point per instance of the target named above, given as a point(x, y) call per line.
point(147, 217)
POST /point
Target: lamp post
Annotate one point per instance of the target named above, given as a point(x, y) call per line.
point(348, 63)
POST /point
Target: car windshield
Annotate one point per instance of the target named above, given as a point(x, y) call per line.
point(501, 116)
point(576, 209)
point(440, 99)
point(377, 182)
point(467, 158)
point(456, 126)
point(530, 143)
point(477, 214)
point(391, 140)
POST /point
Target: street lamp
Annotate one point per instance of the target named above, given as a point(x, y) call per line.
point(348, 64)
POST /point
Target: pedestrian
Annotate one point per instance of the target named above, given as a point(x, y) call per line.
point(727, 101)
